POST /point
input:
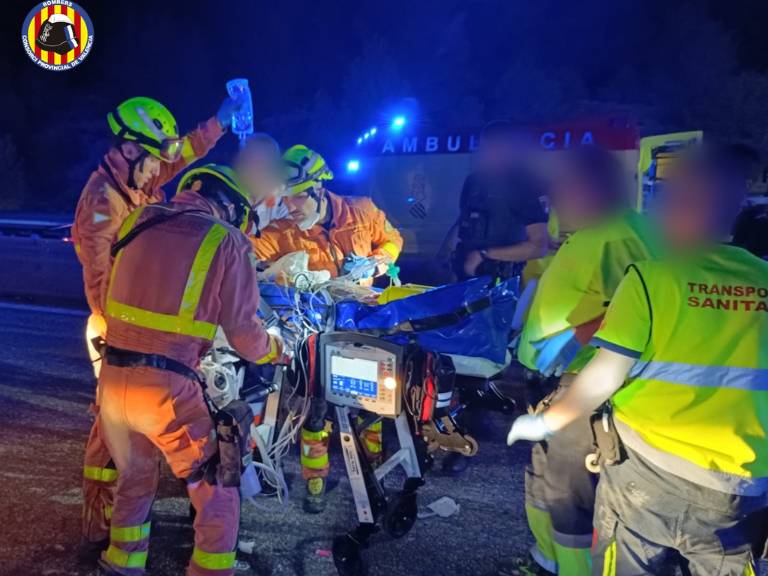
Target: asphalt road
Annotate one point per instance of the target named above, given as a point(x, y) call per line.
point(45, 388)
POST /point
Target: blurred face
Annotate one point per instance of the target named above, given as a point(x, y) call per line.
point(496, 152)
point(695, 208)
point(258, 166)
point(576, 202)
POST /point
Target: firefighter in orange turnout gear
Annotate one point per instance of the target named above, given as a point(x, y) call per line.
point(147, 153)
point(331, 229)
point(181, 270)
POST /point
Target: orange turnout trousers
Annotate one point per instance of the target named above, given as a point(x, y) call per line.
point(170, 289)
point(315, 437)
point(99, 472)
point(147, 414)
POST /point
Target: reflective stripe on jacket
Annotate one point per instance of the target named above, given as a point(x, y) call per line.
point(107, 200)
point(696, 403)
point(176, 282)
point(183, 321)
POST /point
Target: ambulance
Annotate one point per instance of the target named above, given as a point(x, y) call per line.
point(416, 173)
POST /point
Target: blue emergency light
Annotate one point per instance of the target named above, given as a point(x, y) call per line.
point(353, 166)
point(398, 122)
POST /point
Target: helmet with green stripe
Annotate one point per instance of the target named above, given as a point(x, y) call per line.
point(219, 184)
point(305, 169)
point(148, 123)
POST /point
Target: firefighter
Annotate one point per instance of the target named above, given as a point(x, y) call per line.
point(334, 231)
point(146, 154)
point(260, 168)
point(569, 302)
point(151, 398)
point(682, 363)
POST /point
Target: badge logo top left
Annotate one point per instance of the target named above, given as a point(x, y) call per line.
point(57, 35)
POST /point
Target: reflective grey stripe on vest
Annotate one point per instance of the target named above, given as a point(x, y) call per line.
point(706, 376)
point(721, 481)
point(572, 540)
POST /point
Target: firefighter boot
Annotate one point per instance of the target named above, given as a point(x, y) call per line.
point(314, 501)
point(105, 570)
point(88, 552)
point(520, 567)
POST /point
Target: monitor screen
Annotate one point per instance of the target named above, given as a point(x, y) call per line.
point(355, 376)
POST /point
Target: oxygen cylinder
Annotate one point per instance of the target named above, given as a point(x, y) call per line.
point(242, 120)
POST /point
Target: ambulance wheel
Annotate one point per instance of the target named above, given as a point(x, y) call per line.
point(347, 557)
point(592, 463)
point(401, 514)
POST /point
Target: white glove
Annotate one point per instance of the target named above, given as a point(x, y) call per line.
point(529, 427)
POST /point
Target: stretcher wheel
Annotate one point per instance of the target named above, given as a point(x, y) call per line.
point(347, 557)
point(592, 463)
point(470, 448)
point(401, 514)
point(427, 461)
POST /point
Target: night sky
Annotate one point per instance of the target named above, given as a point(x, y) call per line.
point(322, 71)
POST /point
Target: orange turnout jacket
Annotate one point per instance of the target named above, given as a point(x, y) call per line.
point(176, 282)
point(107, 200)
point(357, 226)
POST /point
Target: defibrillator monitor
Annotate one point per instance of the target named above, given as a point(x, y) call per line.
point(361, 371)
point(354, 377)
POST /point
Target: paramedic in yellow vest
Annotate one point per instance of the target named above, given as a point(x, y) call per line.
point(592, 197)
point(683, 363)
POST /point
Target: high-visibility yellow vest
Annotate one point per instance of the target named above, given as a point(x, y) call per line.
point(696, 402)
point(580, 280)
point(535, 268)
point(183, 322)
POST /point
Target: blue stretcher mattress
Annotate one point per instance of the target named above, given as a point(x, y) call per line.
point(471, 318)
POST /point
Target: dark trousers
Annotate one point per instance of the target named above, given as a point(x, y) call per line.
point(644, 514)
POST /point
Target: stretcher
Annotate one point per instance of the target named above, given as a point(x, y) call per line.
point(403, 359)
